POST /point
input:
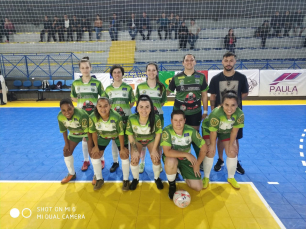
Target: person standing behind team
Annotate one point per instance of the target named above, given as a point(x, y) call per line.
point(191, 89)
point(227, 80)
point(122, 98)
point(223, 122)
point(157, 92)
point(76, 121)
point(107, 124)
point(85, 92)
point(144, 129)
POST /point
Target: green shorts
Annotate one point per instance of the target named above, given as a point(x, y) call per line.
point(76, 139)
point(146, 142)
point(105, 141)
point(186, 171)
point(224, 137)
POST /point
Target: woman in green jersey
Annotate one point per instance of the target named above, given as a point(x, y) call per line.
point(144, 129)
point(157, 92)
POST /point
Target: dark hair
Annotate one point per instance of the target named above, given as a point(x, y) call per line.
point(161, 85)
point(228, 54)
point(229, 32)
point(85, 59)
point(230, 94)
point(188, 55)
point(152, 113)
point(97, 15)
point(115, 66)
point(177, 112)
point(96, 110)
point(66, 101)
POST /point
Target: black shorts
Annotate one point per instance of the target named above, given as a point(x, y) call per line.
point(103, 147)
point(194, 120)
point(240, 134)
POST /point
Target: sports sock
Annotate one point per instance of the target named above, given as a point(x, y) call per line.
point(125, 168)
point(171, 177)
point(231, 164)
point(156, 170)
point(135, 171)
point(115, 151)
point(207, 165)
point(85, 151)
point(69, 163)
point(97, 167)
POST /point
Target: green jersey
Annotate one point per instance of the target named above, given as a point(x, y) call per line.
point(120, 98)
point(109, 129)
point(155, 95)
point(181, 142)
point(77, 125)
point(87, 94)
point(218, 121)
point(188, 91)
point(142, 132)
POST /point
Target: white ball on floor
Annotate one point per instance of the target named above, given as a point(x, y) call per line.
point(181, 198)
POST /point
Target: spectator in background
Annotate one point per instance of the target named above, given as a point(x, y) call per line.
point(183, 35)
point(54, 27)
point(60, 29)
point(67, 28)
point(76, 27)
point(230, 41)
point(171, 26)
point(114, 27)
point(86, 27)
point(276, 24)
point(263, 32)
point(193, 33)
point(132, 24)
point(9, 28)
point(98, 26)
point(164, 23)
point(145, 25)
point(47, 29)
point(287, 23)
point(1, 30)
point(298, 22)
point(177, 24)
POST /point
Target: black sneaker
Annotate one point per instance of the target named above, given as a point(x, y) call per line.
point(134, 184)
point(114, 167)
point(218, 165)
point(159, 183)
point(239, 169)
point(172, 189)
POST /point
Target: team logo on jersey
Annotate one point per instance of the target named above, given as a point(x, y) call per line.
point(124, 94)
point(92, 89)
point(112, 121)
point(124, 89)
point(182, 88)
point(110, 94)
point(128, 126)
point(90, 123)
point(173, 139)
point(84, 123)
point(78, 89)
point(135, 128)
point(183, 107)
point(214, 122)
point(190, 98)
point(197, 76)
point(187, 141)
point(158, 124)
point(121, 126)
point(181, 82)
point(99, 126)
point(240, 120)
point(93, 84)
point(197, 81)
point(198, 136)
point(144, 92)
point(186, 135)
point(165, 135)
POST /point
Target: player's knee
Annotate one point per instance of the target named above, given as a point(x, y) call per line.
point(124, 156)
point(171, 162)
point(67, 154)
point(197, 186)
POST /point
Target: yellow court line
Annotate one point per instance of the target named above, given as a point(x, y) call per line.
point(170, 103)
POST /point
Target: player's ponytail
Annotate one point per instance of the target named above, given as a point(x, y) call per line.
point(160, 84)
point(230, 94)
point(85, 59)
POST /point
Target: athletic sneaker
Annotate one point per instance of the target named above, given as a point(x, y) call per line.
point(85, 165)
point(233, 182)
point(134, 184)
point(94, 180)
point(103, 164)
point(114, 167)
point(141, 167)
point(172, 189)
point(239, 169)
point(218, 165)
point(205, 182)
point(99, 184)
point(126, 185)
point(159, 183)
point(68, 178)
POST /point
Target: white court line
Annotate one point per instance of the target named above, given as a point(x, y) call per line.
point(301, 154)
point(303, 135)
point(273, 183)
point(304, 130)
point(301, 140)
point(304, 163)
point(301, 146)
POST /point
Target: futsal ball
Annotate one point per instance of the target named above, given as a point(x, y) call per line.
point(181, 198)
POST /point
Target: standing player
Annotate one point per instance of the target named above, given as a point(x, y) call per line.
point(107, 124)
point(157, 92)
point(144, 129)
point(223, 122)
point(76, 121)
point(122, 98)
point(176, 142)
point(227, 80)
point(191, 89)
point(85, 92)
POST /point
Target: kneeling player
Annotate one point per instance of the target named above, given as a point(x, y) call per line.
point(76, 121)
point(108, 125)
point(176, 141)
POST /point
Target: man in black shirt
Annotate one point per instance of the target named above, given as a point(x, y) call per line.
point(144, 24)
point(76, 27)
point(86, 26)
point(47, 28)
point(227, 80)
point(183, 35)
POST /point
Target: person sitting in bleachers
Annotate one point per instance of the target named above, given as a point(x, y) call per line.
point(287, 23)
point(230, 41)
point(298, 19)
point(276, 24)
point(144, 24)
point(98, 26)
point(164, 22)
point(9, 29)
point(193, 33)
point(171, 26)
point(114, 27)
point(1, 30)
point(55, 28)
point(263, 32)
point(86, 27)
point(76, 27)
point(47, 29)
point(177, 25)
point(183, 35)
point(67, 28)
point(132, 24)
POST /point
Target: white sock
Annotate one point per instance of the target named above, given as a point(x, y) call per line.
point(97, 167)
point(69, 163)
point(102, 158)
point(171, 177)
point(115, 151)
point(156, 170)
point(125, 168)
point(207, 165)
point(135, 171)
point(85, 151)
point(143, 154)
point(231, 164)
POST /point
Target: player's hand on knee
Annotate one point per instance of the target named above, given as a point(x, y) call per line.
point(233, 149)
point(124, 153)
point(155, 156)
point(135, 157)
point(191, 158)
point(95, 152)
point(196, 170)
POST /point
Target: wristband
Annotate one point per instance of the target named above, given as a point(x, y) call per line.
point(205, 112)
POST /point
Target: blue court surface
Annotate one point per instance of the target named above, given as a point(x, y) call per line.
point(272, 150)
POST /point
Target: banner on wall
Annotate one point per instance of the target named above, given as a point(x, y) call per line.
point(251, 74)
point(283, 82)
point(133, 82)
point(165, 77)
point(103, 77)
point(205, 72)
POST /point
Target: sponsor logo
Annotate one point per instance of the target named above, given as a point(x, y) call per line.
point(277, 89)
point(197, 81)
point(124, 89)
point(93, 84)
point(181, 82)
point(186, 135)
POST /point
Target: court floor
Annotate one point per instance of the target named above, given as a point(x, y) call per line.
point(272, 194)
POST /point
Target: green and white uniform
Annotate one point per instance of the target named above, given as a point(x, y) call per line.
point(218, 121)
point(142, 133)
point(188, 92)
point(77, 125)
point(156, 97)
point(87, 94)
point(182, 143)
point(107, 130)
